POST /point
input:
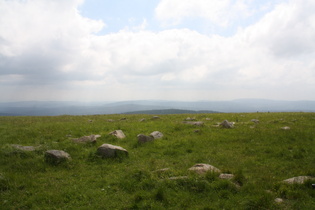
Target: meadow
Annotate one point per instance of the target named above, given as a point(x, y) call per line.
point(260, 155)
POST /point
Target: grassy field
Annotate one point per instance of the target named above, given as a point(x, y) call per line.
point(259, 155)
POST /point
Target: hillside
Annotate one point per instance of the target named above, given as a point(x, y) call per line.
point(252, 160)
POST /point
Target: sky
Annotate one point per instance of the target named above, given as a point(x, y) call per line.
point(104, 50)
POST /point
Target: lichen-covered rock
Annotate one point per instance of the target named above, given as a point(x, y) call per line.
point(156, 134)
point(298, 179)
point(56, 156)
point(118, 133)
point(143, 138)
point(111, 151)
point(202, 168)
point(86, 139)
point(227, 124)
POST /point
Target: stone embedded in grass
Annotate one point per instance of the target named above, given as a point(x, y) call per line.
point(118, 133)
point(298, 179)
point(111, 151)
point(143, 138)
point(197, 123)
point(227, 124)
point(226, 176)
point(202, 168)
point(86, 139)
point(142, 120)
point(190, 119)
point(255, 121)
point(155, 118)
point(156, 134)
point(279, 200)
point(23, 148)
point(56, 156)
point(286, 128)
point(123, 119)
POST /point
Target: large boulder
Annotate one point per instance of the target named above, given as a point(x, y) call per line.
point(227, 124)
point(85, 139)
point(202, 168)
point(111, 151)
point(56, 156)
point(156, 134)
point(143, 138)
point(118, 133)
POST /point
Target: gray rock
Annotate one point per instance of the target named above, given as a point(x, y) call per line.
point(227, 124)
point(155, 118)
point(190, 119)
point(255, 121)
point(142, 120)
point(178, 177)
point(23, 148)
point(197, 123)
point(286, 128)
point(156, 134)
point(56, 156)
point(298, 179)
point(202, 168)
point(111, 151)
point(85, 139)
point(279, 200)
point(118, 133)
point(226, 176)
point(143, 138)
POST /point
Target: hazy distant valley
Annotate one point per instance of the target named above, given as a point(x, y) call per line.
point(52, 108)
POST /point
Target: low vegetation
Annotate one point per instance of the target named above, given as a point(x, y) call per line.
point(259, 154)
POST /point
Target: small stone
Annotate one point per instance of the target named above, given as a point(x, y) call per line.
point(123, 118)
point(155, 118)
point(255, 121)
point(24, 148)
point(286, 128)
point(156, 134)
point(56, 156)
point(178, 177)
point(298, 179)
point(226, 176)
point(111, 151)
point(143, 138)
point(142, 120)
point(85, 139)
point(227, 124)
point(197, 123)
point(118, 133)
point(202, 168)
point(278, 200)
point(208, 119)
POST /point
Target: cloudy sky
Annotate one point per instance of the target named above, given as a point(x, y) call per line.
point(97, 50)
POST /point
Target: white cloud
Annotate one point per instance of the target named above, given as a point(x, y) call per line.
point(47, 46)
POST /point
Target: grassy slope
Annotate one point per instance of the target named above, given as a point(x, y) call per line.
point(260, 157)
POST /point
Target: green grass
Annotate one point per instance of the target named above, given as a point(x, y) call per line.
point(260, 157)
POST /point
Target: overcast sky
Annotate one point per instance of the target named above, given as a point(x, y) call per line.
point(96, 50)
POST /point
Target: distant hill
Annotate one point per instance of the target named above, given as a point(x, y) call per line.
point(170, 111)
point(53, 108)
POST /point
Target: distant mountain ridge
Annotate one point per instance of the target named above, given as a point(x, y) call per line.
point(53, 108)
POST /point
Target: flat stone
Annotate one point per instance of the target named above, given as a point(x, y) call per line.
point(24, 148)
point(85, 139)
point(143, 138)
point(156, 134)
point(111, 151)
point(118, 133)
point(56, 156)
point(202, 168)
point(286, 128)
point(226, 176)
point(298, 179)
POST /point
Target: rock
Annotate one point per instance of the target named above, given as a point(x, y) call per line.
point(286, 128)
point(111, 151)
point(156, 134)
point(227, 124)
point(56, 156)
point(85, 139)
point(202, 168)
point(190, 119)
point(226, 176)
point(155, 118)
point(178, 177)
point(278, 200)
point(208, 119)
point(123, 118)
point(255, 121)
point(298, 179)
point(142, 120)
point(24, 148)
point(162, 170)
point(118, 133)
point(110, 120)
point(197, 123)
point(143, 138)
